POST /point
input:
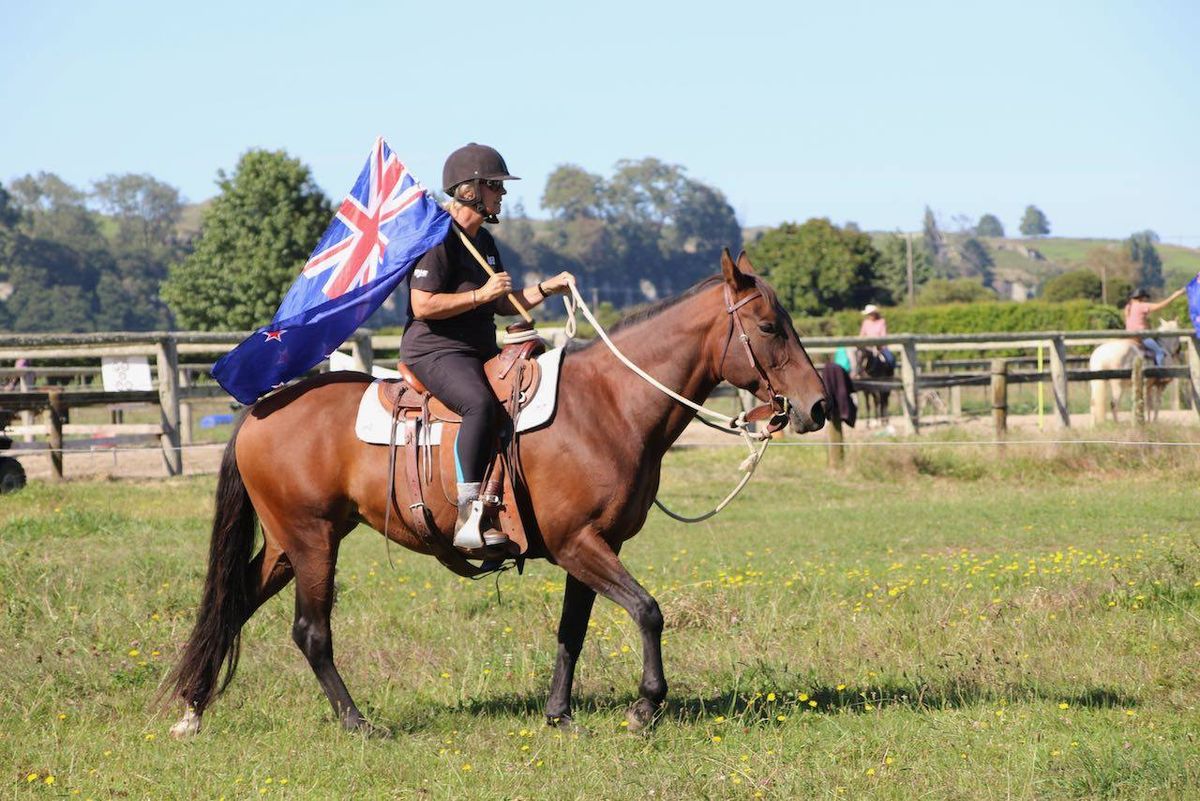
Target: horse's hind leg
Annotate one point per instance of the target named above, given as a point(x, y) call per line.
point(314, 567)
point(594, 563)
point(267, 574)
point(572, 628)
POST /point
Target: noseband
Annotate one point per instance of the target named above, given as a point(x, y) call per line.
point(779, 407)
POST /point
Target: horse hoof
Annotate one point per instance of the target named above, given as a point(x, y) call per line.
point(188, 725)
point(367, 729)
point(640, 714)
point(568, 724)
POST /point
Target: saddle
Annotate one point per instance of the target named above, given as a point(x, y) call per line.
point(514, 376)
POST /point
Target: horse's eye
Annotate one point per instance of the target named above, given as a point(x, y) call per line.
point(766, 328)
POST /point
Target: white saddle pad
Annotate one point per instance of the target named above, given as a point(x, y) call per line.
point(374, 424)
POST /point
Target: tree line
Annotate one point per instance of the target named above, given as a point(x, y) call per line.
point(113, 256)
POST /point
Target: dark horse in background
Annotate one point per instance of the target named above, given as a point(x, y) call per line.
point(869, 364)
point(295, 463)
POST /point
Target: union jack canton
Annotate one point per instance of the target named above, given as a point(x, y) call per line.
point(384, 225)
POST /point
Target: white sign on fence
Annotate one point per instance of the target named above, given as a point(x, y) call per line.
point(126, 373)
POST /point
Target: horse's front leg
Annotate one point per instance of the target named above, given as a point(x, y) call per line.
point(572, 628)
point(595, 564)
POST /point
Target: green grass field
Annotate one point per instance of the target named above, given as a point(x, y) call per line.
point(935, 622)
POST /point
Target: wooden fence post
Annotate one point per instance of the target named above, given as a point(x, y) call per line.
point(908, 377)
point(1193, 361)
point(1058, 380)
point(362, 353)
point(1137, 382)
point(185, 409)
point(168, 404)
point(26, 417)
point(837, 450)
point(1000, 397)
point(56, 415)
point(955, 402)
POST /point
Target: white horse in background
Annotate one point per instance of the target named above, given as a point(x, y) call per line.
point(1120, 354)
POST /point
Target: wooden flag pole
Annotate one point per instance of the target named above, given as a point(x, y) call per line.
point(487, 268)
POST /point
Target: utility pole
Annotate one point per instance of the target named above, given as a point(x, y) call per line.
point(911, 293)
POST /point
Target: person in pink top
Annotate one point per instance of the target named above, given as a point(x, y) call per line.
point(873, 325)
point(1137, 318)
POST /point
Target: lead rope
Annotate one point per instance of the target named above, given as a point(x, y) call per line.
point(729, 425)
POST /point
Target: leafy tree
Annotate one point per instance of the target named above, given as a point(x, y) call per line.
point(817, 267)
point(1141, 251)
point(255, 237)
point(56, 212)
point(935, 242)
point(892, 268)
point(146, 210)
point(1034, 222)
point(1117, 272)
point(1073, 285)
point(977, 260)
point(989, 225)
point(958, 290)
point(573, 192)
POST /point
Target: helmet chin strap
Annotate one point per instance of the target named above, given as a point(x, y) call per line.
point(477, 204)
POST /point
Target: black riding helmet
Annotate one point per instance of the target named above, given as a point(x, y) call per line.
point(1140, 294)
point(472, 164)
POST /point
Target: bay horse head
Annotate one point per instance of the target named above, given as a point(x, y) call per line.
point(762, 352)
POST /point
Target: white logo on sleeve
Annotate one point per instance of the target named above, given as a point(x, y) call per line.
point(420, 273)
point(492, 261)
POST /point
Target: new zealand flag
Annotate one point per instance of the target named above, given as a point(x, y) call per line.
point(383, 226)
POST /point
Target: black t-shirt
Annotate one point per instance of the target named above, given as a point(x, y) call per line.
point(449, 267)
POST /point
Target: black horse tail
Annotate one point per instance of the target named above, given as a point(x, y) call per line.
point(225, 604)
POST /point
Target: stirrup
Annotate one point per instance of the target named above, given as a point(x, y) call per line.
point(469, 536)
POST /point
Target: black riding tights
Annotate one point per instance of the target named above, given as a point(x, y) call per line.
point(457, 380)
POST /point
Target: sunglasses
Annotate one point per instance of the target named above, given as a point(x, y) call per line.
point(494, 185)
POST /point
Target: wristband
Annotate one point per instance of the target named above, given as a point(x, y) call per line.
point(541, 291)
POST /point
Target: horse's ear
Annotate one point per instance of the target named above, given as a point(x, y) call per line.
point(732, 272)
point(743, 264)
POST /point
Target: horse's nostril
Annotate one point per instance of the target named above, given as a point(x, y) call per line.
point(818, 414)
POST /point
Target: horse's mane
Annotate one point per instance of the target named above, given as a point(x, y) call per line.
point(648, 311)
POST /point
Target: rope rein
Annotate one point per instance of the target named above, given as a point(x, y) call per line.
point(721, 422)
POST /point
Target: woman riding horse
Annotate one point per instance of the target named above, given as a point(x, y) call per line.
point(451, 332)
point(1137, 318)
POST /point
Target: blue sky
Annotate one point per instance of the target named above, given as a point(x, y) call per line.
point(854, 111)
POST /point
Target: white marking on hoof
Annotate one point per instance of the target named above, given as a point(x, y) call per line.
point(188, 725)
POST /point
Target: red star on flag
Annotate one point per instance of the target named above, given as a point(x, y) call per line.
point(275, 335)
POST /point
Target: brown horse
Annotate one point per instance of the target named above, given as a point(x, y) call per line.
point(592, 475)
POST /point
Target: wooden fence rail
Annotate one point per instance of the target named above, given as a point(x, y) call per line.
point(175, 390)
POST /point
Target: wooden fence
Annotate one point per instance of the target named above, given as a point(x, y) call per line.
point(176, 390)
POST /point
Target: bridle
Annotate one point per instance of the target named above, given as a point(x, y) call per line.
point(778, 410)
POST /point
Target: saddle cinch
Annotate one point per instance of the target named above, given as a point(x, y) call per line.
point(514, 376)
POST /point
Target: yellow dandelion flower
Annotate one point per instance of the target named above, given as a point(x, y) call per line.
point(770, 696)
point(49, 780)
point(781, 718)
point(812, 704)
point(32, 777)
point(283, 781)
point(870, 771)
point(134, 652)
point(1063, 705)
point(62, 716)
point(149, 736)
point(466, 766)
point(803, 696)
point(841, 687)
point(445, 675)
point(716, 738)
point(1130, 712)
point(719, 719)
point(888, 760)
